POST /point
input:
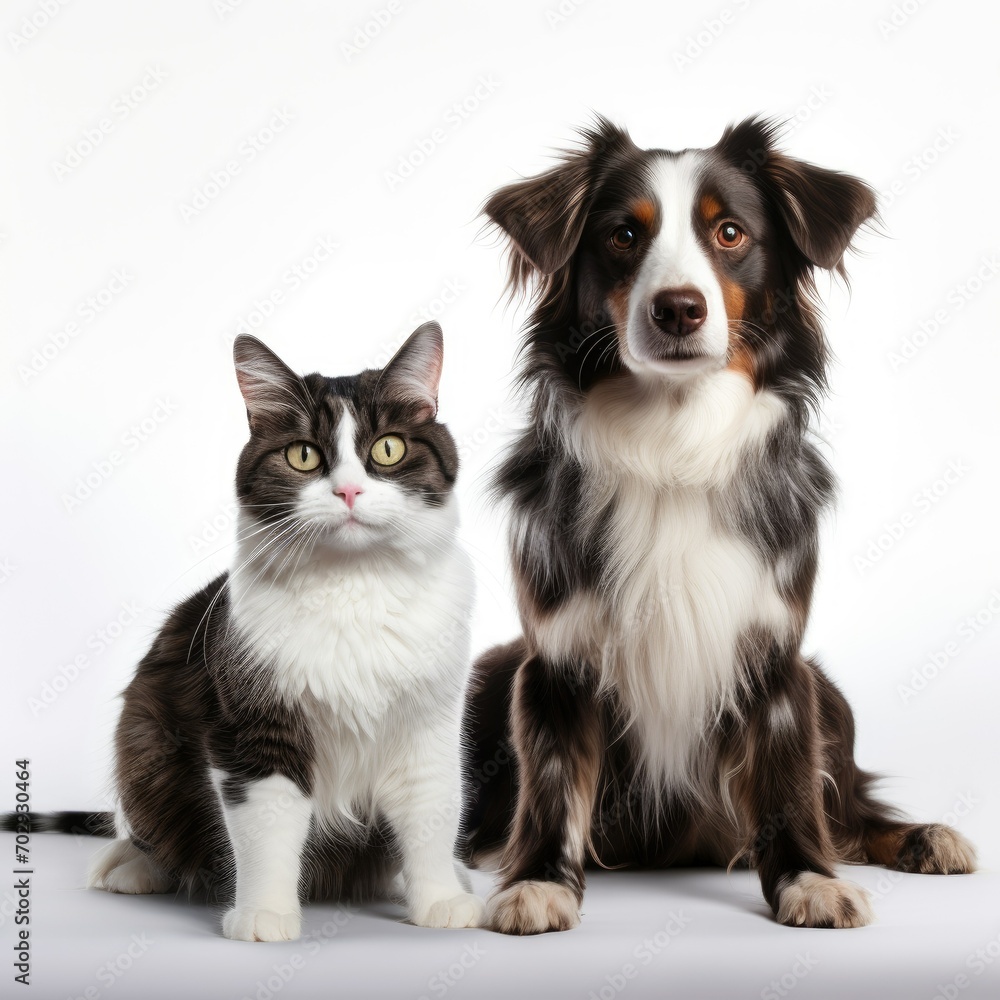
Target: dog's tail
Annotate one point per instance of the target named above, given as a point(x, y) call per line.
point(92, 824)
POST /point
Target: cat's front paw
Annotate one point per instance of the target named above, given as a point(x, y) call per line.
point(246, 924)
point(463, 910)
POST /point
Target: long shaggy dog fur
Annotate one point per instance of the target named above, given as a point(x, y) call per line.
point(664, 509)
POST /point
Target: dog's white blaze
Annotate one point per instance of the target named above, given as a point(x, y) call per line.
point(681, 589)
point(676, 259)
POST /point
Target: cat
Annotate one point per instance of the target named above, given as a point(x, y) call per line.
point(294, 729)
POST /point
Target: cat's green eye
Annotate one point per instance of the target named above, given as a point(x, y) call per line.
point(303, 456)
point(388, 449)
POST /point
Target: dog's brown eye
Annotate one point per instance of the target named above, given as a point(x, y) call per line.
point(622, 238)
point(729, 235)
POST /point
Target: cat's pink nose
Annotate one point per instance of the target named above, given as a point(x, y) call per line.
point(350, 493)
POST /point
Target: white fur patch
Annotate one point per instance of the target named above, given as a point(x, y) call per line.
point(680, 589)
point(267, 832)
point(781, 715)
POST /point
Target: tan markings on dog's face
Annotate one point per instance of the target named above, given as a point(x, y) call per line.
point(734, 297)
point(741, 359)
point(618, 305)
point(644, 211)
point(710, 208)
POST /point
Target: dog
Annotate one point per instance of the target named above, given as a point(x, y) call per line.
point(664, 502)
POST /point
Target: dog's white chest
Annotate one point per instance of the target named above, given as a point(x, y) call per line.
point(686, 593)
point(680, 589)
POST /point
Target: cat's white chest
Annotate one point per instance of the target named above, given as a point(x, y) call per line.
point(363, 637)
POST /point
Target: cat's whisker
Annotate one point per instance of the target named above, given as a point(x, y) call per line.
point(241, 535)
point(207, 615)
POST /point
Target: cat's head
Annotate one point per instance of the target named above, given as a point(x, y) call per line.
point(354, 463)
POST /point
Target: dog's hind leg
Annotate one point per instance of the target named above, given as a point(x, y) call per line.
point(865, 830)
point(558, 741)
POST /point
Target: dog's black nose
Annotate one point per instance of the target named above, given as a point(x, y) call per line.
point(679, 311)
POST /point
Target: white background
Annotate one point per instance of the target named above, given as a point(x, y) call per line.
point(904, 100)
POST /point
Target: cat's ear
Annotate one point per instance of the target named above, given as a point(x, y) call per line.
point(268, 385)
point(414, 373)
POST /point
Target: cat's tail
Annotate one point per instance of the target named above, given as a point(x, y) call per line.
point(92, 824)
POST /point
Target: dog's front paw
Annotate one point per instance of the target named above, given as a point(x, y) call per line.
point(812, 900)
point(463, 910)
point(533, 908)
point(247, 924)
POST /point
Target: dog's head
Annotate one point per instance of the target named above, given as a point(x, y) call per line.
point(671, 264)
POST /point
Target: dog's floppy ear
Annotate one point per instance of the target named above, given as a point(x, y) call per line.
point(821, 208)
point(543, 216)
